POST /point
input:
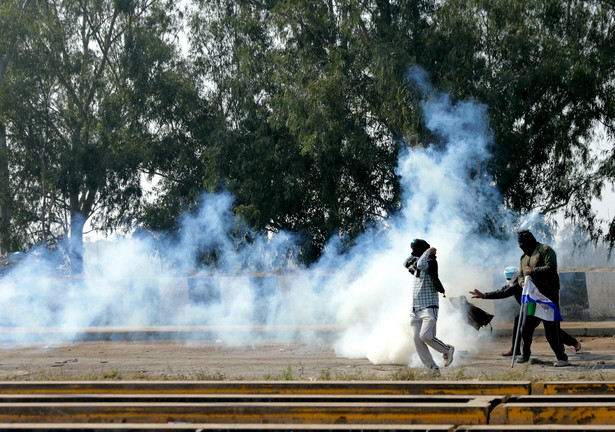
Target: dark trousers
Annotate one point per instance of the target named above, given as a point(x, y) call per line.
point(516, 336)
point(552, 333)
point(565, 338)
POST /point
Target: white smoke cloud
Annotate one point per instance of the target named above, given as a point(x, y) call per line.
point(445, 197)
point(141, 281)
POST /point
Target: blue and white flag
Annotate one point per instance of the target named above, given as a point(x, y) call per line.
point(537, 304)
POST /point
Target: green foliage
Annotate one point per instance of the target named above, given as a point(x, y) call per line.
point(15, 21)
point(316, 106)
point(287, 374)
point(298, 108)
point(545, 70)
point(97, 96)
point(405, 374)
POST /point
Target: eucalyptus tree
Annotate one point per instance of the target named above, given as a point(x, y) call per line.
point(14, 21)
point(316, 104)
point(94, 106)
point(546, 70)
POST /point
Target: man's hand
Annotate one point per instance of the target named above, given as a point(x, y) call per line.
point(527, 270)
point(477, 294)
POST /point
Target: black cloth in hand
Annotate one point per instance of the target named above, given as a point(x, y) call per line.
point(433, 273)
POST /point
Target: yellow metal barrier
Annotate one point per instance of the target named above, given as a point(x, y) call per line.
point(312, 405)
point(555, 409)
point(272, 387)
point(197, 427)
point(475, 411)
point(574, 387)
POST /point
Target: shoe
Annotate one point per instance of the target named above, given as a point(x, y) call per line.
point(434, 371)
point(522, 359)
point(561, 363)
point(509, 353)
point(448, 357)
point(577, 347)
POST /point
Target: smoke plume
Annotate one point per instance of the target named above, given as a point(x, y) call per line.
point(361, 296)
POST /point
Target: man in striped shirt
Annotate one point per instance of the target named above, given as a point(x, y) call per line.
point(425, 304)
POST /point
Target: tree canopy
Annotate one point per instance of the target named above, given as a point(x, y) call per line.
point(545, 70)
point(299, 109)
point(88, 102)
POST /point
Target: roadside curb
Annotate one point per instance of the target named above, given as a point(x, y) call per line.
point(575, 329)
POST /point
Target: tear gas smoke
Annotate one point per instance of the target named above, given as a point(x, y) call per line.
point(366, 291)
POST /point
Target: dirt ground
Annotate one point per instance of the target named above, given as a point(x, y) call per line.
point(210, 360)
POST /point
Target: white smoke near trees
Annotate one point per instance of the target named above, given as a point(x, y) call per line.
point(446, 197)
point(364, 293)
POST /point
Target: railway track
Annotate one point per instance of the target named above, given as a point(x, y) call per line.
point(306, 405)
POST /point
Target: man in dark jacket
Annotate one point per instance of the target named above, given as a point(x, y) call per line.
point(513, 289)
point(539, 262)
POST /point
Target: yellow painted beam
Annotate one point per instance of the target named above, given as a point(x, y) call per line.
point(575, 387)
point(474, 412)
point(111, 427)
point(556, 412)
point(245, 398)
point(273, 387)
point(535, 428)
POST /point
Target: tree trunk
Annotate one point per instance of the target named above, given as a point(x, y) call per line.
point(5, 196)
point(75, 242)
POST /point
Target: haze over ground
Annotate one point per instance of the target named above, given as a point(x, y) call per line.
point(134, 280)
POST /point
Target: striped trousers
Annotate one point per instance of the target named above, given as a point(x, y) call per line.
point(423, 324)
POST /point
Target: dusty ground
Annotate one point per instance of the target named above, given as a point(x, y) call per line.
point(209, 360)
